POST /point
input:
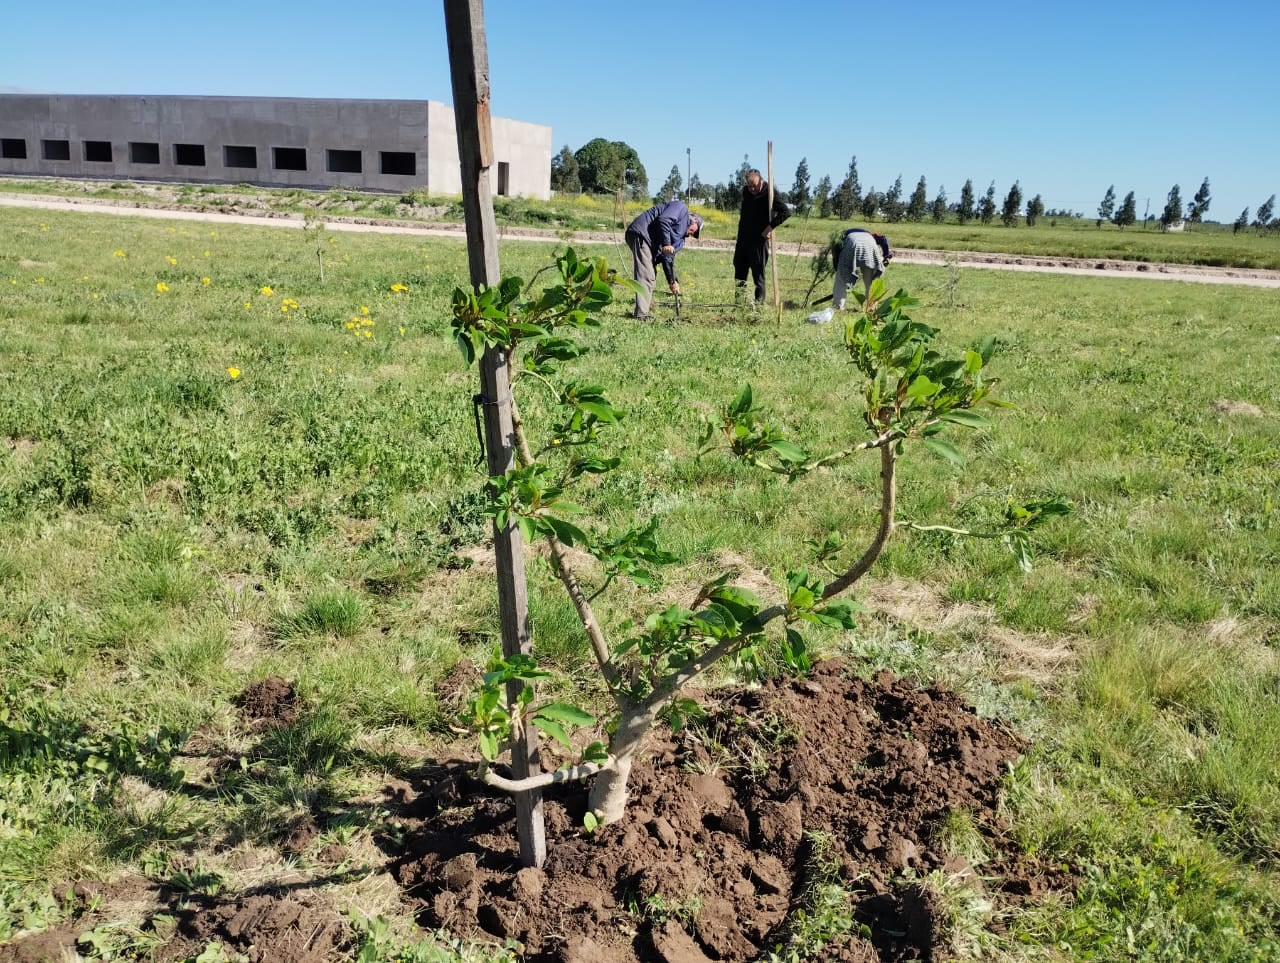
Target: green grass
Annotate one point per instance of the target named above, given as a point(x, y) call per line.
point(170, 533)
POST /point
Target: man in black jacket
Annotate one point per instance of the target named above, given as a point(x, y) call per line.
point(755, 224)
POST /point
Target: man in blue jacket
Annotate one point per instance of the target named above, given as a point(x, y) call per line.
point(654, 238)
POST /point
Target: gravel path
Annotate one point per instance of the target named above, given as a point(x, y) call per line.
point(1096, 267)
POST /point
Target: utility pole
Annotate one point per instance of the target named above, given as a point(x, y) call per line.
point(469, 68)
point(688, 174)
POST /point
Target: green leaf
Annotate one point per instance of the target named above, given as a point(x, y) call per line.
point(465, 348)
point(788, 451)
point(962, 416)
point(554, 730)
point(570, 715)
point(840, 613)
point(567, 532)
point(944, 448)
point(741, 404)
point(489, 746)
point(590, 822)
point(602, 410)
point(596, 752)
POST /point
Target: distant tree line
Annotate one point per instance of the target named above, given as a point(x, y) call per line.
point(607, 167)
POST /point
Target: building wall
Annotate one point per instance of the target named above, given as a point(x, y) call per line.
point(389, 145)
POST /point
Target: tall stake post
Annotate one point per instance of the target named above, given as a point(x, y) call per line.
point(469, 67)
point(773, 249)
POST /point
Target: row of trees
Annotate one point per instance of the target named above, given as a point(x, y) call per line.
point(847, 199)
point(605, 167)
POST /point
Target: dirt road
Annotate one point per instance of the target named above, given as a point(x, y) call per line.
point(1095, 267)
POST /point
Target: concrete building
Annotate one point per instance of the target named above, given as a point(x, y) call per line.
point(384, 145)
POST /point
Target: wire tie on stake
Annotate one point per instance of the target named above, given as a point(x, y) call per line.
point(477, 402)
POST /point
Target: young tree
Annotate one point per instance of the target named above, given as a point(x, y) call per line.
point(1263, 221)
point(1172, 213)
point(965, 210)
point(919, 203)
point(871, 202)
point(822, 196)
point(891, 203)
point(1108, 205)
point(842, 205)
point(671, 186)
point(696, 191)
point(1241, 222)
point(938, 209)
point(800, 195)
point(1199, 205)
point(987, 206)
point(1035, 209)
point(1128, 213)
point(851, 181)
point(911, 394)
point(564, 172)
point(1012, 204)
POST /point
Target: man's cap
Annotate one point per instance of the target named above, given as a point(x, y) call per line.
point(697, 225)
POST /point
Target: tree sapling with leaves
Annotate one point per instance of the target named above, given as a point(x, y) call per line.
point(911, 395)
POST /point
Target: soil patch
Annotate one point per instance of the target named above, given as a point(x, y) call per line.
point(717, 849)
point(269, 704)
point(730, 826)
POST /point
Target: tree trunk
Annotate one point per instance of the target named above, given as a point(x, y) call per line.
point(608, 796)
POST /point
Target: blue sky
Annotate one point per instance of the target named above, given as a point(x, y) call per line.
point(1066, 98)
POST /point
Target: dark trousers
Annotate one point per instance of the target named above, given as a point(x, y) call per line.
point(751, 256)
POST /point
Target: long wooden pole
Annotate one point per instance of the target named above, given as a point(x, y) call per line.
point(469, 67)
point(773, 250)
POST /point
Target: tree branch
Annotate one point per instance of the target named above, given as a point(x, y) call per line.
point(888, 500)
point(564, 569)
point(543, 779)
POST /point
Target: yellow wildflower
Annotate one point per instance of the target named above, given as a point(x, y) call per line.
point(233, 373)
point(266, 290)
point(402, 329)
point(206, 281)
point(161, 287)
point(363, 309)
point(96, 295)
point(248, 305)
point(398, 288)
point(119, 253)
point(171, 259)
point(44, 227)
point(206, 253)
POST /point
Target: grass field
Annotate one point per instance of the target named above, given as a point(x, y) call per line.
point(215, 468)
point(1207, 244)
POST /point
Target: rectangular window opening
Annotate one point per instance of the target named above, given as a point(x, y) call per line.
point(188, 155)
point(344, 162)
point(399, 162)
point(13, 148)
point(141, 152)
point(56, 150)
point(289, 158)
point(97, 151)
point(504, 178)
point(237, 155)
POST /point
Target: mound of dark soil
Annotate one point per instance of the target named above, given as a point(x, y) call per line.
point(714, 852)
point(724, 831)
point(271, 703)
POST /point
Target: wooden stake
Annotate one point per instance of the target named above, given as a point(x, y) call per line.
point(773, 250)
point(469, 67)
